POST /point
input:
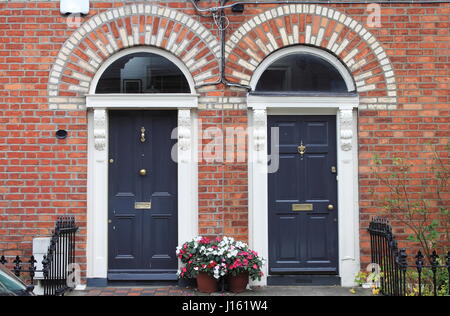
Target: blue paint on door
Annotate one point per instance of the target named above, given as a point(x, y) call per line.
point(142, 242)
point(304, 242)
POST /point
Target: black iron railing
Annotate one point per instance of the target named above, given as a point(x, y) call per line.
point(58, 267)
point(58, 264)
point(427, 276)
point(18, 268)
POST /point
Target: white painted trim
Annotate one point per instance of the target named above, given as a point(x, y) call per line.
point(295, 102)
point(258, 217)
point(299, 49)
point(98, 134)
point(347, 155)
point(97, 214)
point(140, 49)
point(347, 148)
point(187, 175)
point(97, 204)
point(301, 111)
point(142, 101)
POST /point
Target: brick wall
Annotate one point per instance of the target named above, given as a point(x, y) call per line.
point(41, 178)
point(401, 70)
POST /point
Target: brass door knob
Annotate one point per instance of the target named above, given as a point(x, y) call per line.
point(143, 172)
point(331, 207)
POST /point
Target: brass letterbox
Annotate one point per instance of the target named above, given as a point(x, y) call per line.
point(302, 207)
point(143, 205)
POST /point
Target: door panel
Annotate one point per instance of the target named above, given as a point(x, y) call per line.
point(125, 165)
point(316, 190)
point(126, 234)
point(142, 241)
point(304, 241)
point(160, 239)
point(283, 192)
point(317, 226)
point(289, 248)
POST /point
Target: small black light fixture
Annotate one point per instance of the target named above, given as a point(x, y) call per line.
point(61, 134)
point(238, 8)
point(69, 7)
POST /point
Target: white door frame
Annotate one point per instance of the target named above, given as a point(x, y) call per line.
point(99, 106)
point(345, 109)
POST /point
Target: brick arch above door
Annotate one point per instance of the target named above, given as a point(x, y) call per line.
point(321, 27)
point(114, 30)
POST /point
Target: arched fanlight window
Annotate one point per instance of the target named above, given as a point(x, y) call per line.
point(301, 73)
point(143, 73)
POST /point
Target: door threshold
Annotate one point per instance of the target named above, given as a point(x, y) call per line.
point(303, 280)
point(142, 277)
point(142, 283)
point(99, 283)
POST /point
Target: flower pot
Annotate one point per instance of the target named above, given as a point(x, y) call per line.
point(206, 283)
point(238, 283)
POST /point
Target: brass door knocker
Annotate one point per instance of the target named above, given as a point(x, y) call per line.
point(301, 149)
point(143, 135)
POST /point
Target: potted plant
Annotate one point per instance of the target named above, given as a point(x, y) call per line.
point(208, 260)
point(203, 259)
point(361, 279)
point(369, 280)
point(242, 264)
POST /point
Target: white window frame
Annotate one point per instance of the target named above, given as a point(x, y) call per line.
point(98, 106)
point(345, 109)
point(306, 50)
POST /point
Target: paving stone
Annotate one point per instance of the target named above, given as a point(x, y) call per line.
point(255, 291)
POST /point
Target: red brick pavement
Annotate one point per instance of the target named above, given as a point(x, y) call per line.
point(142, 291)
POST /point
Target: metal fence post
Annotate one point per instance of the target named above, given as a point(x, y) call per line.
point(434, 264)
point(419, 264)
point(394, 262)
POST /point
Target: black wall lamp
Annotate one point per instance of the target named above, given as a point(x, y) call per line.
point(238, 8)
point(61, 134)
point(69, 7)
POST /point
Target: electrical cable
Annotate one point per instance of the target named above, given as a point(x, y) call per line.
point(223, 6)
point(222, 22)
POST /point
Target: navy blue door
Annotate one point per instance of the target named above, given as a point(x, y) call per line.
point(303, 235)
point(142, 196)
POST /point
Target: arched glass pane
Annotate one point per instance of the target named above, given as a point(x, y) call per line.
point(301, 73)
point(143, 73)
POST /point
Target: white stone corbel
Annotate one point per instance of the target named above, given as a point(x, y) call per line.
point(100, 129)
point(346, 126)
point(184, 129)
point(260, 133)
point(184, 134)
